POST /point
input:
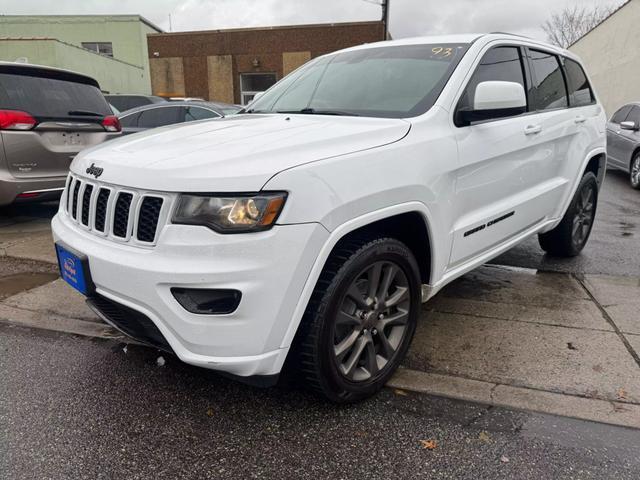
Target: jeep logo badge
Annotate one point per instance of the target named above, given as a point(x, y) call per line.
point(95, 171)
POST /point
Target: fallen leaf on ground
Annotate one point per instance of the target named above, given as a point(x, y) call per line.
point(622, 395)
point(401, 393)
point(504, 459)
point(160, 361)
point(484, 437)
point(429, 444)
point(209, 412)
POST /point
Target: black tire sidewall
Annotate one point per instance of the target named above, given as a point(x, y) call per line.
point(633, 161)
point(589, 179)
point(385, 249)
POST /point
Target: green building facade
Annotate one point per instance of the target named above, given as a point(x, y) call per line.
point(110, 48)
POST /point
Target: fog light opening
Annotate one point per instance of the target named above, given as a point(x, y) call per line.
point(205, 301)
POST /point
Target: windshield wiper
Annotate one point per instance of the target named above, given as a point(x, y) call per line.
point(85, 113)
point(313, 111)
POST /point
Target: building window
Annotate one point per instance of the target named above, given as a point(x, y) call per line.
point(253, 83)
point(103, 48)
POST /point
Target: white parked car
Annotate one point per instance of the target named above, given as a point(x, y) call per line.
point(309, 229)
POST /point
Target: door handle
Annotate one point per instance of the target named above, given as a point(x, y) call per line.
point(580, 119)
point(532, 129)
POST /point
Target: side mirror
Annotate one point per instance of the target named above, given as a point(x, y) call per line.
point(495, 99)
point(629, 126)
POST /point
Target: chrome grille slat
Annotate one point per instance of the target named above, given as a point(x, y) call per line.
point(117, 213)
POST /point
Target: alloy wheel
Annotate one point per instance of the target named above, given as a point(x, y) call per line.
point(372, 321)
point(635, 172)
point(584, 216)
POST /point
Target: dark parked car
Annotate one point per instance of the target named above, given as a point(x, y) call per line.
point(127, 102)
point(168, 113)
point(623, 142)
point(47, 116)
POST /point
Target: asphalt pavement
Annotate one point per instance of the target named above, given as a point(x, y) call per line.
point(72, 407)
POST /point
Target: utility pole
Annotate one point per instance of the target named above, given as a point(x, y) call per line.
point(385, 18)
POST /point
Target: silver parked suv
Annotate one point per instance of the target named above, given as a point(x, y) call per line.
point(47, 116)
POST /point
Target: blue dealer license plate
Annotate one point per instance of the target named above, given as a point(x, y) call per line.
point(74, 270)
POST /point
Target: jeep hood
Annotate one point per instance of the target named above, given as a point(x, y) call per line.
point(232, 154)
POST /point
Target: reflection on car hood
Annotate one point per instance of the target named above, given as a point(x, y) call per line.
point(239, 153)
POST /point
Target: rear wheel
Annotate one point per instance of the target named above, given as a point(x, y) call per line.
point(634, 175)
point(361, 319)
point(571, 235)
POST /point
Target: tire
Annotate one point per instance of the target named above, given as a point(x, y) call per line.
point(342, 320)
point(572, 233)
point(634, 172)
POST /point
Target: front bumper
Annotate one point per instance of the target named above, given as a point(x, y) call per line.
point(269, 268)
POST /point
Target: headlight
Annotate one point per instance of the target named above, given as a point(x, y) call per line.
point(232, 214)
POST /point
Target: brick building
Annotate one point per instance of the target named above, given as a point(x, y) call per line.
point(233, 65)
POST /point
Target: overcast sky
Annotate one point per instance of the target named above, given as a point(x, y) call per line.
point(408, 17)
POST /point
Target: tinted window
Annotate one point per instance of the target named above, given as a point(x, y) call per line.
point(634, 115)
point(127, 102)
point(391, 82)
point(621, 115)
point(580, 92)
point(197, 113)
point(130, 120)
point(49, 97)
point(548, 88)
point(498, 64)
point(157, 117)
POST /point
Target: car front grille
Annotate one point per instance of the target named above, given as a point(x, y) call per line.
point(119, 213)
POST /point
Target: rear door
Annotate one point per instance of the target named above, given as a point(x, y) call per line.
point(67, 110)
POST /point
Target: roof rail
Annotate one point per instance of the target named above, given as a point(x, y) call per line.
point(509, 33)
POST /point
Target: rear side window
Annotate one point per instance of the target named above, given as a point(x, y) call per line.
point(130, 120)
point(621, 115)
point(158, 117)
point(498, 64)
point(49, 97)
point(127, 102)
point(549, 90)
point(580, 92)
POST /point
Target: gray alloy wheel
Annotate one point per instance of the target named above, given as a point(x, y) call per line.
point(583, 217)
point(372, 321)
point(634, 175)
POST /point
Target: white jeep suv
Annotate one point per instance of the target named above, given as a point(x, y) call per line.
point(309, 229)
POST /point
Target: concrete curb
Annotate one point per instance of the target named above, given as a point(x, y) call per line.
point(614, 413)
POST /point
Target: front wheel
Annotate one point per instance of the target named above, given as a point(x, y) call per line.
point(361, 319)
point(572, 233)
point(634, 175)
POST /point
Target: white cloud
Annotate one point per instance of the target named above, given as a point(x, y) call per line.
point(408, 17)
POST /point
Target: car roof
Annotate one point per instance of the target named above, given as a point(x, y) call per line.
point(218, 107)
point(465, 38)
point(48, 72)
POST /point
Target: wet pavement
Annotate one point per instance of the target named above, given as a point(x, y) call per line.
point(72, 407)
point(76, 407)
point(614, 246)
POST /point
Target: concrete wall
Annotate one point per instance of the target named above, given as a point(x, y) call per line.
point(113, 75)
point(127, 33)
point(611, 54)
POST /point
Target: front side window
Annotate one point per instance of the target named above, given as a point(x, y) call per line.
point(390, 82)
point(197, 113)
point(580, 92)
point(634, 115)
point(158, 117)
point(498, 64)
point(621, 115)
point(103, 48)
point(549, 90)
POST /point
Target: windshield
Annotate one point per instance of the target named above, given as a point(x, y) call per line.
point(390, 82)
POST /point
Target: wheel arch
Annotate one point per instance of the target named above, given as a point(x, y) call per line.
point(396, 221)
point(597, 164)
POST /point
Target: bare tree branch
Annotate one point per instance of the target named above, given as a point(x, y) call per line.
point(568, 26)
